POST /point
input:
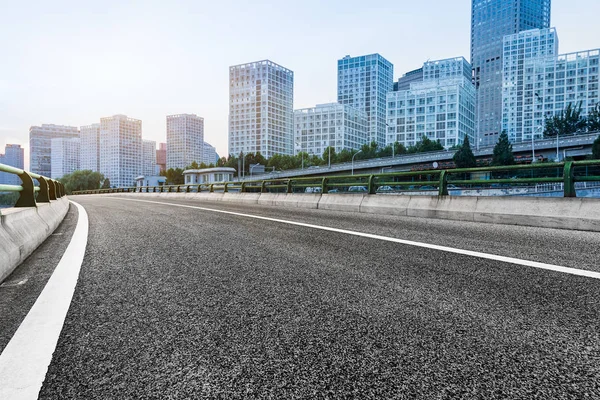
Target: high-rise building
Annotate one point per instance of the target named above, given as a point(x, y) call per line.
point(440, 107)
point(148, 157)
point(261, 109)
point(539, 83)
point(363, 83)
point(185, 140)
point(491, 20)
point(161, 157)
point(64, 157)
point(404, 82)
point(337, 125)
point(90, 147)
point(210, 154)
point(13, 156)
point(40, 145)
point(120, 149)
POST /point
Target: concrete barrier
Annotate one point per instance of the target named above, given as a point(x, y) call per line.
point(22, 230)
point(546, 212)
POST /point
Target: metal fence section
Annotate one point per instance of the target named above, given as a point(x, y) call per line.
point(29, 193)
point(566, 175)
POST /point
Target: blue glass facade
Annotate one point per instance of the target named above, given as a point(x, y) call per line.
point(491, 20)
point(364, 82)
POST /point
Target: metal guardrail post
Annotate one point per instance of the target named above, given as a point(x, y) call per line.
point(44, 192)
point(289, 186)
point(263, 187)
point(225, 189)
point(443, 185)
point(324, 188)
point(371, 184)
point(199, 188)
point(52, 189)
point(27, 195)
point(243, 189)
point(569, 177)
point(212, 189)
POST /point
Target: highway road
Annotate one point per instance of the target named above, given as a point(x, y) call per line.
point(214, 300)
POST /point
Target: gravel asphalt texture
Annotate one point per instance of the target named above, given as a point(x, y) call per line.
point(177, 303)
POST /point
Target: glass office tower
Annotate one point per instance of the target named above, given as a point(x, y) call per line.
point(363, 83)
point(491, 20)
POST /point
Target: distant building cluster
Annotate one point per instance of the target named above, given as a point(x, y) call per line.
point(115, 148)
point(14, 156)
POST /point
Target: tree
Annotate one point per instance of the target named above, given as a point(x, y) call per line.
point(174, 176)
point(593, 119)
point(326, 155)
point(425, 144)
point(106, 184)
point(82, 180)
point(368, 150)
point(596, 149)
point(503, 151)
point(464, 157)
point(568, 122)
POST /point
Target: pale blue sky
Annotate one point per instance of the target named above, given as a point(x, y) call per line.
point(73, 62)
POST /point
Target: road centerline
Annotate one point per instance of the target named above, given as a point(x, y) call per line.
point(25, 359)
point(495, 257)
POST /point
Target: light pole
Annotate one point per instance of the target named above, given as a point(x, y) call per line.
point(532, 143)
point(353, 160)
point(301, 153)
point(557, 156)
point(252, 167)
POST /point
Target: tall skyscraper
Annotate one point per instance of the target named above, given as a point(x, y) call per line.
point(261, 109)
point(120, 149)
point(363, 83)
point(90, 147)
point(185, 140)
point(491, 20)
point(40, 145)
point(65, 157)
point(148, 157)
point(161, 157)
point(540, 83)
point(13, 156)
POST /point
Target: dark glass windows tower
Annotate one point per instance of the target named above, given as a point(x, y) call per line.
point(491, 20)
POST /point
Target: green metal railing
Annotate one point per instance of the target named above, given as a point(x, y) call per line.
point(30, 194)
point(566, 174)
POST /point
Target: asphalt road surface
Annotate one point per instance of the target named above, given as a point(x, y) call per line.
point(176, 302)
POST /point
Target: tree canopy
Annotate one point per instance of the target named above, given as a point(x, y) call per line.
point(174, 176)
point(82, 180)
point(503, 151)
point(464, 157)
point(568, 122)
point(596, 148)
point(425, 144)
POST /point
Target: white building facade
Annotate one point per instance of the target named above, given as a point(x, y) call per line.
point(261, 109)
point(337, 125)
point(120, 149)
point(185, 140)
point(539, 83)
point(40, 145)
point(90, 147)
point(210, 154)
point(148, 157)
point(65, 157)
point(363, 83)
point(208, 175)
point(14, 156)
point(441, 107)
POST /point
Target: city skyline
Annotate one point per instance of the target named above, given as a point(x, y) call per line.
point(136, 78)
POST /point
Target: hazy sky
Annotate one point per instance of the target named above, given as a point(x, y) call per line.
point(73, 62)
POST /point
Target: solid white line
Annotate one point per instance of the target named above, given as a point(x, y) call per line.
point(534, 264)
point(25, 360)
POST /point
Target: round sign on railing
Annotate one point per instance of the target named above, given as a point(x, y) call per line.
point(435, 165)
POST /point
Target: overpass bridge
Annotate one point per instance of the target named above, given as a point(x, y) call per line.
point(221, 295)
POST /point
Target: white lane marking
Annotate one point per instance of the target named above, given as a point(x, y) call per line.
point(25, 360)
point(510, 260)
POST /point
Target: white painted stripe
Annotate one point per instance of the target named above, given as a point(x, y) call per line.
point(534, 264)
point(25, 360)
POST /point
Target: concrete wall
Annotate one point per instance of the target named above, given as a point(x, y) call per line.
point(548, 212)
point(22, 230)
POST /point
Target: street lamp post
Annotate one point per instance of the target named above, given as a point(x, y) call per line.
point(301, 153)
point(252, 167)
point(353, 160)
point(557, 155)
point(532, 143)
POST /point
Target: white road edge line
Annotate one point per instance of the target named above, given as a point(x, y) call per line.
point(510, 260)
point(25, 359)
